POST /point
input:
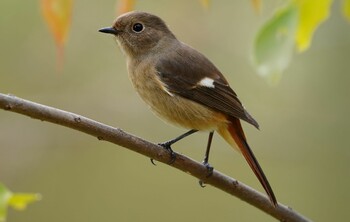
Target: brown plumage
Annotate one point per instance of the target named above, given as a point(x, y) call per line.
point(181, 85)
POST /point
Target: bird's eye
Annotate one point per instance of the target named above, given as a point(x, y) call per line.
point(137, 27)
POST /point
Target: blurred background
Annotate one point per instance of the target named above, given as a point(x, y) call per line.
point(303, 145)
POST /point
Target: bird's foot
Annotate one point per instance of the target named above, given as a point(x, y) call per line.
point(167, 146)
point(210, 170)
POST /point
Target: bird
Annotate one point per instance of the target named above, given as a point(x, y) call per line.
point(182, 86)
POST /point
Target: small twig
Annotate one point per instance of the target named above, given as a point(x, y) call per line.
point(119, 137)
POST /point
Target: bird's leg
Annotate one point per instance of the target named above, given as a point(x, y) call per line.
point(206, 159)
point(167, 144)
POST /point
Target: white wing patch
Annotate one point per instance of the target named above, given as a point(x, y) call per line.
point(167, 91)
point(163, 86)
point(207, 82)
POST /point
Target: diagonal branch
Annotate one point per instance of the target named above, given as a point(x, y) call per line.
point(121, 138)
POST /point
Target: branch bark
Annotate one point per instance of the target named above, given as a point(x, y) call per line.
point(156, 152)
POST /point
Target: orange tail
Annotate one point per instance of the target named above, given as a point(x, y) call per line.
point(233, 134)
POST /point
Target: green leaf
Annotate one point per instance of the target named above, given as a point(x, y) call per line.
point(274, 44)
point(346, 9)
point(311, 15)
point(5, 195)
point(18, 201)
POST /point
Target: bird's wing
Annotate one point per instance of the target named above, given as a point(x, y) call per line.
point(189, 74)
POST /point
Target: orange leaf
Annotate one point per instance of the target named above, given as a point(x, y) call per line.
point(125, 6)
point(205, 4)
point(57, 14)
point(257, 6)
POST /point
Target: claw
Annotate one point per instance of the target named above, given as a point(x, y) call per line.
point(152, 161)
point(210, 170)
point(167, 146)
point(172, 156)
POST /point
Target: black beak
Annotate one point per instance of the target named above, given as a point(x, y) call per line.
point(109, 30)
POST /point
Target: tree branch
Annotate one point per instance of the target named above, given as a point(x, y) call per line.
point(156, 152)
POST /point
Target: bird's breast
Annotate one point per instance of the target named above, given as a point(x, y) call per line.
point(168, 106)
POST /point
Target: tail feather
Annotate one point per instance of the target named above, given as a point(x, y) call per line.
point(234, 135)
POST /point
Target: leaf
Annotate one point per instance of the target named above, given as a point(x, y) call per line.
point(274, 44)
point(125, 6)
point(311, 15)
point(346, 9)
point(18, 201)
point(57, 14)
point(5, 195)
point(257, 6)
point(205, 4)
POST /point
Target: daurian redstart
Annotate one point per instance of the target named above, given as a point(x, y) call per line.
point(182, 86)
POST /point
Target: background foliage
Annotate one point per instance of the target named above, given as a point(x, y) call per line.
point(302, 145)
